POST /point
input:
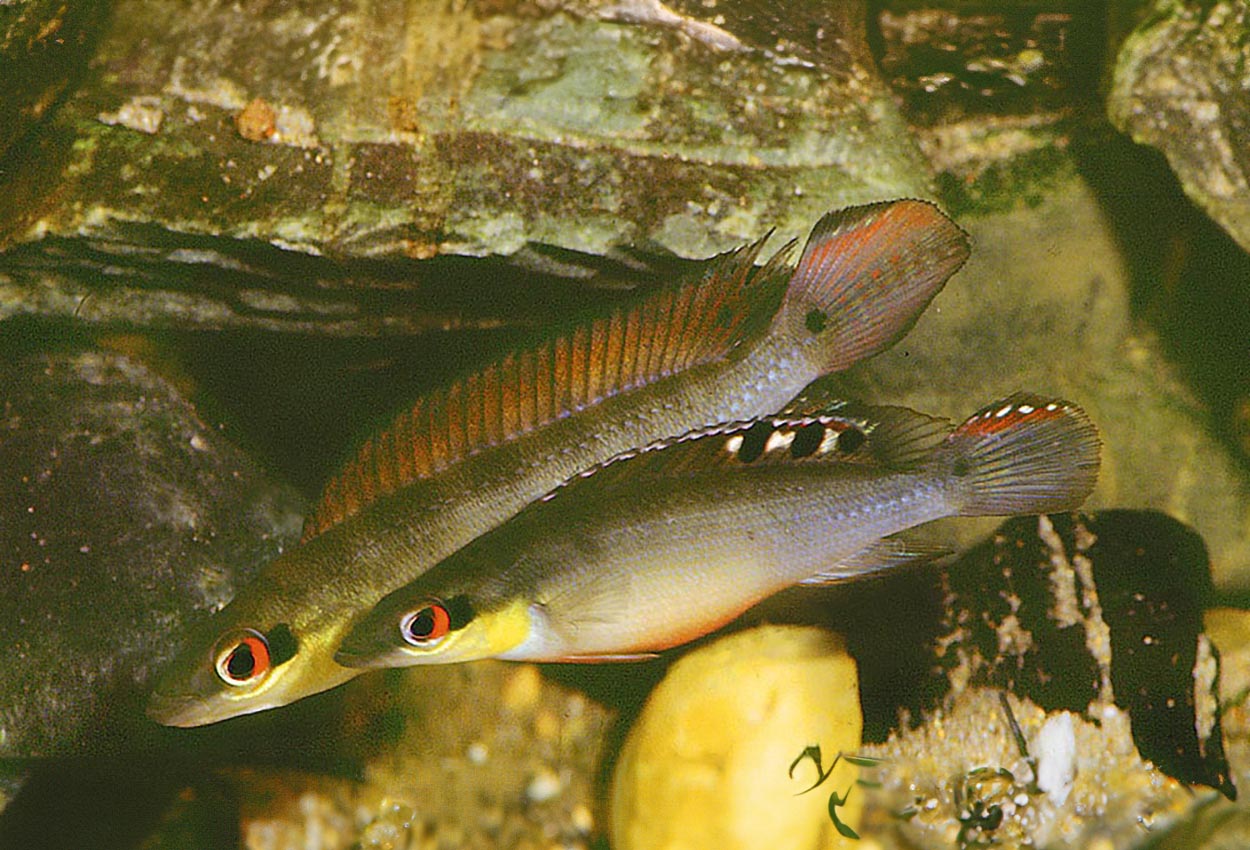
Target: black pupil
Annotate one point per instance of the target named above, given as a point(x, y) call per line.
point(241, 662)
point(422, 625)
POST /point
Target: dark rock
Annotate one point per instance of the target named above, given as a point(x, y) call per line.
point(125, 519)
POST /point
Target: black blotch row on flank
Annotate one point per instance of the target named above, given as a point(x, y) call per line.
point(807, 440)
point(282, 644)
point(754, 440)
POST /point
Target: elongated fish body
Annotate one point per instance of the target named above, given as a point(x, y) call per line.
point(662, 546)
point(738, 342)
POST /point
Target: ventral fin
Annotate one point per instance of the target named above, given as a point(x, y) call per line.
point(667, 331)
point(886, 554)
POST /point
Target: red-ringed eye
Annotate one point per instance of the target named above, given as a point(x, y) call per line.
point(243, 658)
point(426, 625)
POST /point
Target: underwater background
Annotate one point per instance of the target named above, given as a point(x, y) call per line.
point(237, 237)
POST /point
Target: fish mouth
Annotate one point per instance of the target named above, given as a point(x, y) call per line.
point(358, 659)
point(182, 710)
point(364, 656)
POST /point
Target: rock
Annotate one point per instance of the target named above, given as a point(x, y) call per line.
point(1179, 85)
point(1066, 688)
point(125, 519)
point(706, 763)
point(44, 45)
point(204, 136)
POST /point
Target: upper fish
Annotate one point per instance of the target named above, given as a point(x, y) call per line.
point(733, 342)
point(664, 545)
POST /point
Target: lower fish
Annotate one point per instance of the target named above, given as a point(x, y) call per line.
point(663, 545)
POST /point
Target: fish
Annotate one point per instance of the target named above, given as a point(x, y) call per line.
point(661, 546)
point(736, 340)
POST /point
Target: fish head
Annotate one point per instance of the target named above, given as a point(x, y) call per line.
point(269, 647)
point(412, 627)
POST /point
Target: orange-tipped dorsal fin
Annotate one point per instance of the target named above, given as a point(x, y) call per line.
point(665, 332)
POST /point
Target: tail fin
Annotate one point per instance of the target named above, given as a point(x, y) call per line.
point(1024, 455)
point(866, 275)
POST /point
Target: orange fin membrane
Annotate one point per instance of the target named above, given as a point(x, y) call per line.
point(1025, 455)
point(867, 273)
point(668, 331)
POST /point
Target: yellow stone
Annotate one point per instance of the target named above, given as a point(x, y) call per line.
point(523, 689)
point(706, 764)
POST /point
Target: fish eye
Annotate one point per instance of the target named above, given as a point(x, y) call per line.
point(426, 625)
point(242, 658)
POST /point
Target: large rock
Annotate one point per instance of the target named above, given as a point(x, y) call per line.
point(125, 519)
point(44, 45)
point(713, 762)
point(1179, 84)
point(403, 131)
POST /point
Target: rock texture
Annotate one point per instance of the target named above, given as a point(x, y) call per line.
point(44, 45)
point(1180, 85)
point(125, 519)
point(400, 130)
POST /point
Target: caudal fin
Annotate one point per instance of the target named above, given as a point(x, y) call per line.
point(1024, 455)
point(866, 275)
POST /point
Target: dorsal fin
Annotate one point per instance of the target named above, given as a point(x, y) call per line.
point(893, 437)
point(669, 330)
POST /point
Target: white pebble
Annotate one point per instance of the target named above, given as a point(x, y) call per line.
point(543, 787)
point(1055, 748)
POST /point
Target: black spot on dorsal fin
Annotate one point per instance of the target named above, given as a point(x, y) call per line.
point(807, 440)
point(754, 440)
point(851, 439)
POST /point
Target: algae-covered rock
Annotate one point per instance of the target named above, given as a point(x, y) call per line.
point(408, 130)
point(707, 765)
point(1180, 85)
point(44, 44)
point(126, 518)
